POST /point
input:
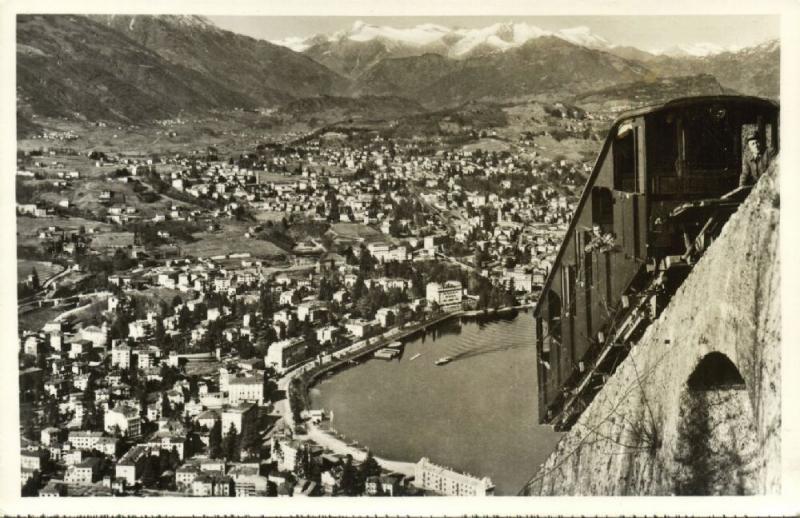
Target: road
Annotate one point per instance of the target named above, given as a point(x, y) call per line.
point(326, 440)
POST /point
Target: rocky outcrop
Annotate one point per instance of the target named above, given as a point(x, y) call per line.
point(695, 408)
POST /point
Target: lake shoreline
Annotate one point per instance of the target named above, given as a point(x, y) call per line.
point(311, 378)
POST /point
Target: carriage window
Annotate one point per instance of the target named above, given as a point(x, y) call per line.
point(554, 317)
point(710, 141)
point(602, 208)
point(568, 288)
point(625, 159)
point(662, 145)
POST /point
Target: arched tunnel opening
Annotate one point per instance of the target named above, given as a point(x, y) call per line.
point(715, 371)
point(716, 448)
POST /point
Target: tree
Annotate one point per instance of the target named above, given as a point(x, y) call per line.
point(169, 375)
point(34, 279)
point(31, 486)
point(51, 412)
point(150, 470)
point(370, 467)
point(166, 406)
point(230, 444)
point(348, 481)
point(365, 260)
point(270, 383)
point(249, 441)
point(92, 418)
point(325, 290)
point(302, 463)
point(215, 450)
point(480, 257)
point(159, 332)
point(119, 328)
point(358, 288)
point(277, 452)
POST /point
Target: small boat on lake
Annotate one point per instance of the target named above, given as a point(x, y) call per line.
point(444, 359)
point(386, 353)
point(415, 357)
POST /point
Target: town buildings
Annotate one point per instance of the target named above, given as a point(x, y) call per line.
point(448, 482)
point(447, 295)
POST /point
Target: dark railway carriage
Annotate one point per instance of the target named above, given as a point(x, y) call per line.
point(662, 177)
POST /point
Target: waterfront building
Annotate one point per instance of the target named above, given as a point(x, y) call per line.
point(444, 481)
point(285, 354)
point(359, 327)
point(327, 334)
point(447, 295)
point(385, 316)
point(522, 280)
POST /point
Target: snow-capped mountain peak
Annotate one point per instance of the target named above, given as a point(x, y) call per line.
point(416, 36)
point(701, 49)
point(459, 42)
point(296, 43)
point(583, 36)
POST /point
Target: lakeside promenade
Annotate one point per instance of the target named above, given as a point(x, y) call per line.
point(310, 372)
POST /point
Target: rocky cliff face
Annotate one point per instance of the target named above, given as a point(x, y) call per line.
point(695, 407)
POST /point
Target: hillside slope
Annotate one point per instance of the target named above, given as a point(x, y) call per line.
point(258, 69)
point(655, 428)
point(753, 70)
point(540, 66)
point(71, 66)
point(141, 68)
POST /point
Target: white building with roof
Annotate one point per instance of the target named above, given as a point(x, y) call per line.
point(126, 418)
point(447, 295)
point(285, 354)
point(447, 482)
point(246, 389)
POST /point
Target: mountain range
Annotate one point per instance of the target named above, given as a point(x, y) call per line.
point(139, 68)
point(463, 43)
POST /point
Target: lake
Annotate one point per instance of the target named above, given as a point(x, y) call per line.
point(476, 414)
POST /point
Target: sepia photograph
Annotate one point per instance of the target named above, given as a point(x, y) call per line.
point(410, 255)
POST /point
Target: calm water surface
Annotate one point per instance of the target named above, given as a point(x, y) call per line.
point(476, 414)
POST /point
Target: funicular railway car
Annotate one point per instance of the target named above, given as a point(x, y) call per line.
point(666, 180)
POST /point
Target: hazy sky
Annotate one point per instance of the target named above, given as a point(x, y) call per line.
point(646, 32)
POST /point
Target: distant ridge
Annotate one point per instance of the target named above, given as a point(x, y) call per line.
point(126, 68)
